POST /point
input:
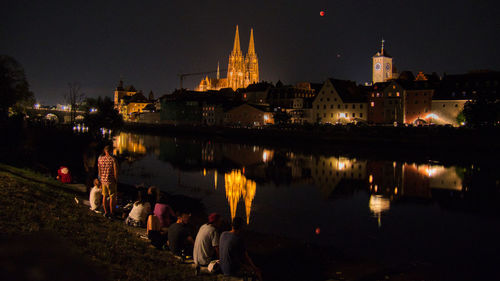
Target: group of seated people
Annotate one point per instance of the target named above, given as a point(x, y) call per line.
point(225, 253)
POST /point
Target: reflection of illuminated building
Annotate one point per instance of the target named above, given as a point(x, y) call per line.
point(126, 142)
point(378, 204)
point(328, 172)
point(238, 186)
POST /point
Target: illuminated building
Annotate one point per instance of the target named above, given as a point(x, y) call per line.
point(295, 100)
point(382, 70)
point(241, 70)
point(339, 101)
point(239, 187)
point(455, 90)
point(400, 101)
point(128, 101)
point(249, 115)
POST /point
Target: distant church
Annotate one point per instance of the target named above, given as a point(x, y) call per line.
point(241, 71)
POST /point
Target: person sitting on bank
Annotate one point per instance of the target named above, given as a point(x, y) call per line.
point(95, 197)
point(153, 196)
point(63, 175)
point(180, 240)
point(156, 234)
point(206, 245)
point(140, 211)
point(234, 258)
point(164, 213)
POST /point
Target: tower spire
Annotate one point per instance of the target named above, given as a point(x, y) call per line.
point(218, 73)
point(236, 48)
point(382, 50)
point(251, 46)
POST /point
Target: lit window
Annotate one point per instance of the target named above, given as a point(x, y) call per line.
point(372, 104)
point(397, 94)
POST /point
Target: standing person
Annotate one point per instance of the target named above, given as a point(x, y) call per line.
point(108, 173)
point(179, 238)
point(206, 245)
point(234, 258)
point(89, 162)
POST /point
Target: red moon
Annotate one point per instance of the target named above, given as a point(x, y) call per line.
point(322, 13)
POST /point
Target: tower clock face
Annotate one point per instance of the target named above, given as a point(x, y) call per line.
point(378, 66)
point(388, 66)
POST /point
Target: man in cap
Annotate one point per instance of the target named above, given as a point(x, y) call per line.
point(206, 245)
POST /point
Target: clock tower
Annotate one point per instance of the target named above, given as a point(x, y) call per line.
point(382, 66)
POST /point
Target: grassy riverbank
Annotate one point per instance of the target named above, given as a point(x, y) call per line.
point(47, 236)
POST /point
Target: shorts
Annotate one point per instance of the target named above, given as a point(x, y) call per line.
point(109, 189)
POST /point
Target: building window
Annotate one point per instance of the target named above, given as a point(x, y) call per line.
point(378, 95)
point(317, 107)
point(327, 99)
point(346, 106)
point(361, 115)
point(331, 106)
point(353, 106)
point(331, 115)
point(372, 104)
point(390, 94)
point(456, 105)
point(324, 115)
point(361, 106)
point(335, 99)
point(321, 99)
point(353, 114)
point(338, 106)
point(324, 106)
point(397, 94)
point(444, 105)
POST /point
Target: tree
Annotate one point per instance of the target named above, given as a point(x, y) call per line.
point(14, 89)
point(100, 113)
point(483, 111)
point(74, 97)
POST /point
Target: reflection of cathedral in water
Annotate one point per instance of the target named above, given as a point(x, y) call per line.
point(246, 165)
point(239, 187)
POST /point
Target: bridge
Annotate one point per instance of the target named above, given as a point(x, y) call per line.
point(58, 116)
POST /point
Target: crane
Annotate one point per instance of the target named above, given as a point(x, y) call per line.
point(182, 75)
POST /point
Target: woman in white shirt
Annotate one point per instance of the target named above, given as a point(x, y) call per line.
point(95, 198)
point(140, 211)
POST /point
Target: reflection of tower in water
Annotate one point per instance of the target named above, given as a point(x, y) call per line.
point(238, 186)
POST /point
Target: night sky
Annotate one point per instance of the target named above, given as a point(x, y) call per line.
point(149, 42)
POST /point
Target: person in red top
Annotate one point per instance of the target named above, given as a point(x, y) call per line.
point(63, 175)
point(108, 173)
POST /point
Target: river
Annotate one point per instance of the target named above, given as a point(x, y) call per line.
point(427, 215)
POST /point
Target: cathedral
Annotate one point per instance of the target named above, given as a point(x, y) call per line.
point(241, 70)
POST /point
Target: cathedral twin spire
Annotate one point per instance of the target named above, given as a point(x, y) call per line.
point(241, 71)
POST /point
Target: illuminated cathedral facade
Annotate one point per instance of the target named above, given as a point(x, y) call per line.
point(241, 70)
